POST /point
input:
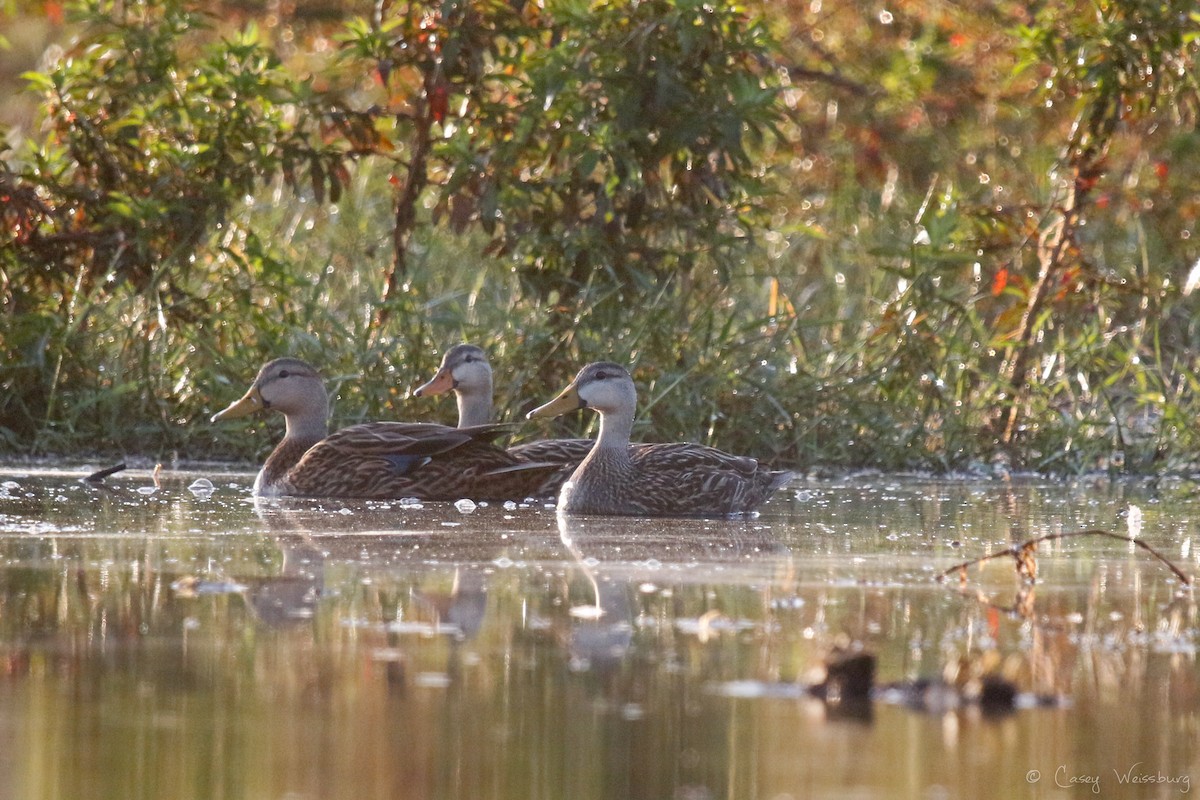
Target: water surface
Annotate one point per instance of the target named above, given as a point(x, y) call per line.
point(161, 641)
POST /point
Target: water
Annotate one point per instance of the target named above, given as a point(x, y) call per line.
point(161, 641)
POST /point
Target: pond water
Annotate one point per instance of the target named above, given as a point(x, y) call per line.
point(161, 641)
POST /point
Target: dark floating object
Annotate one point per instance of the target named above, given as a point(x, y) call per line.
point(100, 475)
point(848, 676)
point(849, 691)
point(846, 690)
point(997, 695)
point(993, 695)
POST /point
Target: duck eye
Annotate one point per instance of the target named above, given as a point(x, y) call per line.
point(601, 376)
point(283, 373)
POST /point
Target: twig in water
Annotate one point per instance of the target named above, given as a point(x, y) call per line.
point(100, 475)
point(1027, 565)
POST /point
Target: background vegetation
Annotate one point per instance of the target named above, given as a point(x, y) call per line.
point(903, 235)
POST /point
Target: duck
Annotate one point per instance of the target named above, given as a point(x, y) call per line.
point(466, 370)
point(375, 460)
point(678, 479)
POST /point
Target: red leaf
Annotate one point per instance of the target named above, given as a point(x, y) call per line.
point(439, 100)
point(1161, 170)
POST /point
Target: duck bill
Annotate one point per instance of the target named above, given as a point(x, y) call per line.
point(250, 403)
point(441, 383)
point(568, 400)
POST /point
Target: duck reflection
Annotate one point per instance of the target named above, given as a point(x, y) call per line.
point(307, 538)
point(291, 596)
point(461, 609)
point(601, 629)
point(619, 561)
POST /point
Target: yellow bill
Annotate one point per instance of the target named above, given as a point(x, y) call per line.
point(250, 403)
point(442, 382)
point(568, 400)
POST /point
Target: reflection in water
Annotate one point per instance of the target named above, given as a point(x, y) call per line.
point(326, 648)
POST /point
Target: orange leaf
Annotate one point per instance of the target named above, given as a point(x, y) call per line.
point(1000, 281)
point(54, 12)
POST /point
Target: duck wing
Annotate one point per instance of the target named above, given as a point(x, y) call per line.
point(566, 453)
point(392, 460)
point(697, 480)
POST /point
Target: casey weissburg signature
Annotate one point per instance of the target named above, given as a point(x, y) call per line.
point(1136, 775)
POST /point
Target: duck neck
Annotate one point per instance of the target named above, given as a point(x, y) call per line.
point(302, 432)
point(474, 408)
point(308, 427)
point(615, 430)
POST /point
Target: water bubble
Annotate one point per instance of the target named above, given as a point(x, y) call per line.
point(465, 506)
point(586, 612)
point(432, 680)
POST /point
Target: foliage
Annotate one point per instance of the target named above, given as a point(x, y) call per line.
point(938, 237)
point(1023, 321)
point(154, 135)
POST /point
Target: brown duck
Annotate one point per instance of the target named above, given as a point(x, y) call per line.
point(466, 371)
point(650, 480)
point(380, 460)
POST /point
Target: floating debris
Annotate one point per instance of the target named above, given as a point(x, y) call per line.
point(849, 677)
point(848, 690)
point(992, 694)
point(191, 586)
point(1024, 554)
point(99, 475)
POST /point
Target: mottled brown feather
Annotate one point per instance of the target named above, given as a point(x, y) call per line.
point(466, 370)
point(668, 480)
point(380, 460)
point(566, 453)
point(359, 461)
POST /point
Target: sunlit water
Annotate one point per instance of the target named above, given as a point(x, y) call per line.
point(174, 642)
